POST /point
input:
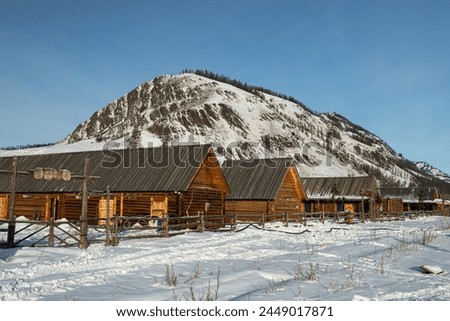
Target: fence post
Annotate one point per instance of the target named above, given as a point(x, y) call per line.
point(286, 219)
point(51, 229)
point(350, 216)
point(51, 233)
point(263, 219)
point(165, 225)
point(108, 217)
point(115, 241)
point(202, 222)
point(108, 232)
point(234, 218)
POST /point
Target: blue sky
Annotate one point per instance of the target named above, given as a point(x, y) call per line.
point(384, 65)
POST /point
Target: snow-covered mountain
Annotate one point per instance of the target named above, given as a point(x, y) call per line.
point(241, 121)
point(433, 171)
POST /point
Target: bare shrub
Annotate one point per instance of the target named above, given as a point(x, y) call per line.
point(171, 277)
point(211, 293)
point(308, 273)
point(428, 237)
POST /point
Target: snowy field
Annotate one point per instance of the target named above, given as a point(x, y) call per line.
point(319, 262)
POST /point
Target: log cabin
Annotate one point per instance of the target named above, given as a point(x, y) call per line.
point(178, 181)
point(339, 194)
point(268, 187)
point(413, 198)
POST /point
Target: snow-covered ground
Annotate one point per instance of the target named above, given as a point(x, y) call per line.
point(324, 262)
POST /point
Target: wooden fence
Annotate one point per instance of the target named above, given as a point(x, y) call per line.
point(111, 230)
point(52, 231)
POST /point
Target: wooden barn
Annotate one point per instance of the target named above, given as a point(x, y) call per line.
point(413, 198)
point(263, 187)
point(178, 181)
point(339, 194)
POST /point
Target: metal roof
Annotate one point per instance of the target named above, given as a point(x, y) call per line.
point(157, 169)
point(256, 179)
point(411, 194)
point(344, 187)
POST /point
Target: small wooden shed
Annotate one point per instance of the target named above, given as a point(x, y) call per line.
point(179, 181)
point(263, 186)
point(339, 194)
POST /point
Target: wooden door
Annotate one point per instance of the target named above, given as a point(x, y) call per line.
point(159, 206)
point(102, 210)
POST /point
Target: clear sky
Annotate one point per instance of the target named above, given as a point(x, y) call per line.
point(384, 65)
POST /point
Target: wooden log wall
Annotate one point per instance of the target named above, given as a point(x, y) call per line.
point(289, 198)
point(28, 205)
point(40, 206)
point(330, 206)
point(323, 206)
point(245, 210)
point(136, 205)
point(69, 207)
point(206, 193)
point(32, 207)
point(205, 201)
point(139, 204)
point(210, 175)
point(393, 205)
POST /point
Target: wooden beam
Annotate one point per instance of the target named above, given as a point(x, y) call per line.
point(84, 207)
point(108, 216)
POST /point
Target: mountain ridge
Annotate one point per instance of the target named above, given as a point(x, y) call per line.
point(433, 171)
